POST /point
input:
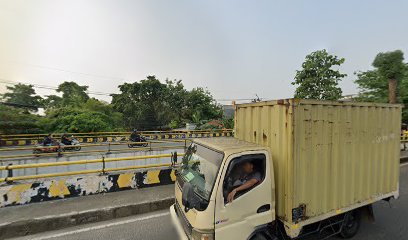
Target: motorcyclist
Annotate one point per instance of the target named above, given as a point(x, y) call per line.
point(65, 139)
point(48, 141)
point(135, 136)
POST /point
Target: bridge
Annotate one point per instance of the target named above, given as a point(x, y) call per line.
point(102, 162)
point(33, 183)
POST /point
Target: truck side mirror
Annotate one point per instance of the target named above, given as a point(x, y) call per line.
point(187, 196)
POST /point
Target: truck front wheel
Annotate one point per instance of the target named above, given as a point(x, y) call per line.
point(351, 224)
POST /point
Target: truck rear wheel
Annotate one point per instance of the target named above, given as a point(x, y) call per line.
point(260, 236)
point(351, 224)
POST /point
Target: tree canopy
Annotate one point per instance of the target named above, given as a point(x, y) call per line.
point(317, 79)
point(151, 104)
point(146, 104)
point(390, 66)
point(73, 94)
point(22, 96)
point(67, 119)
point(14, 120)
point(374, 85)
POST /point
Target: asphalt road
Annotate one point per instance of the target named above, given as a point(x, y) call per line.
point(155, 225)
point(391, 223)
point(86, 147)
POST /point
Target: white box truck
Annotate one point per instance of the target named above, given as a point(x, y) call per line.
point(295, 169)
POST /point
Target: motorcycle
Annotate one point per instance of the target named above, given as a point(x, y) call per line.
point(142, 143)
point(75, 146)
point(55, 147)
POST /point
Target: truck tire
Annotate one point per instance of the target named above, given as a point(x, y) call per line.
point(351, 224)
point(264, 236)
point(259, 236)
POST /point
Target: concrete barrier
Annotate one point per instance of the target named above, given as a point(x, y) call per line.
point(45, 190)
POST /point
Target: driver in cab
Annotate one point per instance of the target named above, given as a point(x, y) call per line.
point(248, 179)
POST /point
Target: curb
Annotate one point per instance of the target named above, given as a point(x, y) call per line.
point(49, 223)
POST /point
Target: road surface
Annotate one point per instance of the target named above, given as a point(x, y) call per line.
point(86, 147)
point(155, 225)
point(391, 223)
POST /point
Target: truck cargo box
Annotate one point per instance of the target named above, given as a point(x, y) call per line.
point(328, 157)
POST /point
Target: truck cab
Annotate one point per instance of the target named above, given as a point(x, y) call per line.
point(208, 173)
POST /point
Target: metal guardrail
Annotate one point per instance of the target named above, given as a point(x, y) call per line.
point(60, 149)
point(10, 178)
point(93, 145)
point(31, 139)
point(115, 133)
point(108, 134)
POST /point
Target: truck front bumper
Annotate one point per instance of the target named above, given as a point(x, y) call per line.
point(176, 223)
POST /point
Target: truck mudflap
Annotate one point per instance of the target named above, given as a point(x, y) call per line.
point(176, 223)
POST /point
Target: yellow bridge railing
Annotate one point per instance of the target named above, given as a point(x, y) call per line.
point(115, 133)
point(109, 148)
point(10, 178)
point(32, 139)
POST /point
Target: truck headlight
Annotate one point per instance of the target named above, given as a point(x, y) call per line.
point(202, 234)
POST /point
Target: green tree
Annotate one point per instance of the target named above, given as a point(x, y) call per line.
point(373, 87)
point(200, 105)
point(73, 94)
point(318, 79)
point(96, 105)
point(374, 84)
point(149, 104)
point(176, 96)
point(18, 121)
point(390, 65)
point(67, 119)
point(52, 102)
point(143, 104)
point(22, 96)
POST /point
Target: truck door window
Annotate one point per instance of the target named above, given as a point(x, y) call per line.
point(243, 174)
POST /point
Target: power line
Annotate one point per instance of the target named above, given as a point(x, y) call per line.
point(69, 71)
point(40, 86)
point(5, 81)
point(90, 75)
point(98, 76)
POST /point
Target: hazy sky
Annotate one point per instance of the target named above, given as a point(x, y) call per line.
point(234, 48)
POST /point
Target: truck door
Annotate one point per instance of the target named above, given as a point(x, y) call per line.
point(251, 208)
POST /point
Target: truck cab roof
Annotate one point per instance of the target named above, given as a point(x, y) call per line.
point(230, 144)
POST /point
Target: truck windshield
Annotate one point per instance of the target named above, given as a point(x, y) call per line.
point(200, 168)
